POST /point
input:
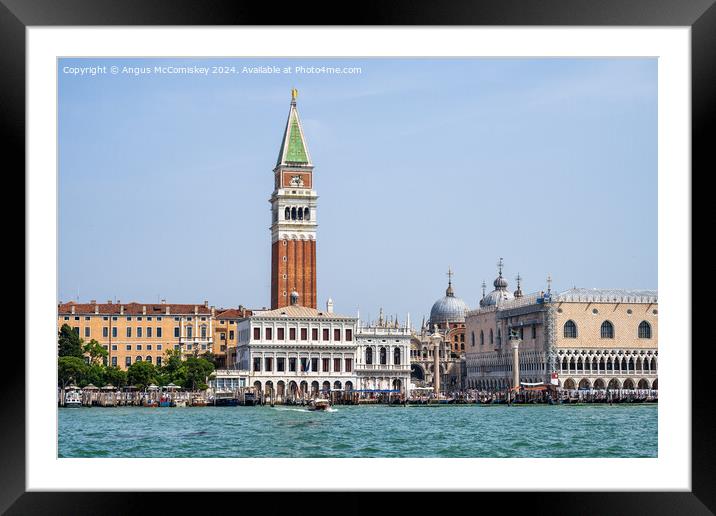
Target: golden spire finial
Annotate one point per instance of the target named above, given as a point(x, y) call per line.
point(294, 94)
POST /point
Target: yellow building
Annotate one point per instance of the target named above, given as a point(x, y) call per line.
point(581, 338)
point(135, 332)
point(226, 335)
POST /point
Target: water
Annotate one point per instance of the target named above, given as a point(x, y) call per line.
point(361, 431)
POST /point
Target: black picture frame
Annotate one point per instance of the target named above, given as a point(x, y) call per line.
point(700, 15)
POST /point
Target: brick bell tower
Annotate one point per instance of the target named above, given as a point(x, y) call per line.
point(293, 218)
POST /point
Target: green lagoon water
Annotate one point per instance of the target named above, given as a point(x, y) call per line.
point(361, 431)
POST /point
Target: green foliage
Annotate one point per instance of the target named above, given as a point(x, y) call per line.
point(70, 369)
point(115, 376)
point(69, 342)
point(197, 371)
point(97, 353)
point(141, 374)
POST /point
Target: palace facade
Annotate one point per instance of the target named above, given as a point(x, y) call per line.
point(580, 338)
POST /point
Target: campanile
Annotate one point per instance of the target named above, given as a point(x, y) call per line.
point(293, 218)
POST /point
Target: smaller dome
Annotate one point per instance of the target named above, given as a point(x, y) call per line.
point(500, 282)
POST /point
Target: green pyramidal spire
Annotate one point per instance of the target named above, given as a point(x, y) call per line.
point(293, 146)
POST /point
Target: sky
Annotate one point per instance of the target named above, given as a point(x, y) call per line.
point(420, 165)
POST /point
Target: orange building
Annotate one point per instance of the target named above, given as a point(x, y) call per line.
point(293, 224)
point(226, 334)
point(135, 332)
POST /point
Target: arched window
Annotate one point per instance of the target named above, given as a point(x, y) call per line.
point(138, 359)
point(644, 330)
point(482, 338)
point(570, 330)
point(607, 330)
point(383, 356)
point(306, 214)
point(287, 213)
point(472, 338)
point(293, 213)
point(203, 331)
point(396, 356)
point(369, 356)
point(300, 214)
point(148, 359)
point(491, 335)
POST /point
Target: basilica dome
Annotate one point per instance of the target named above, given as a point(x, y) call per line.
point(448, 309)
point(500, 294)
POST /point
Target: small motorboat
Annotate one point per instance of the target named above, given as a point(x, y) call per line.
point(179, 403)
point(319, 404)
point(73, 399)
point(198, 401)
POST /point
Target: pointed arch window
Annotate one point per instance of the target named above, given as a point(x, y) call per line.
point(396, 356)
point(644, 330)
point(570, 330)
point(287, 213)
point(306, 214)
point(293, 213)
point(369, 356)
point(607, 330)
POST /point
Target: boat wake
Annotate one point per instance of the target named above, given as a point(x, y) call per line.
point(281, 409)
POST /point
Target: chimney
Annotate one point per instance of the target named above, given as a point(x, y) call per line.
point(94, 301)
point(164, 301)
point(96, 308)
point(243, 312)
point(329, 306)
point(206, 303)
point(213, 311)
point(196, 310)
point(168, 310)
point(144, 309)
point(109, 301)
point(73, 308)
point(121, 309)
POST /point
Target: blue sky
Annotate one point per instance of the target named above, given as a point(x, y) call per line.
point(421, 165)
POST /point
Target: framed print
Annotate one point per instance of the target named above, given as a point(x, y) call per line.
point(423, 252)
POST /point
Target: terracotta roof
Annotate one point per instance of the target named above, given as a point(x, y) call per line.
point(232, 313)
point(299, 311)
point(133, 308)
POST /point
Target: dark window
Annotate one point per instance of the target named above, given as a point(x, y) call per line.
point(269, 334)
point(268, 364)
point(304, 333)
point(105, 332)
point(114, 361)
point(336, 365)
point(369, 356)
point(326, 334)
point(159, 361)
point(176, 331)
point(159, 333)
point(149, 332)
point(644, 330)
point(257, 333)
point(349, 335)
point(280, 364)
point(383, 356)
point(139, 331)
point(129, 347)
point(314, 365)
point(314, 333)
point(349, 365)
point(128, 361)
point(326, 364)
point(396, 356)
point(279, 334)
point(534, 331)
point(87, 331)
point(336, 334)
point(129, 332)
point(607, 330)
point(292, 334)
point(570, 330)
point(257, 364)
point(292, 364)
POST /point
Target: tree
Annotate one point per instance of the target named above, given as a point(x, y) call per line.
point(211, 357)
point(69, 342)
point(141, 374)
point(97, 353)
point(70, 369)
point(115, 376)
point(174, 368)
point(197, 371)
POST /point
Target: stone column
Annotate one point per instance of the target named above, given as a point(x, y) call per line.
point(436, 367)
point(515, 343)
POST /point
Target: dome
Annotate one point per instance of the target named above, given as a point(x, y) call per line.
point(448, 309)
point(496, 297)
point(500, 294)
